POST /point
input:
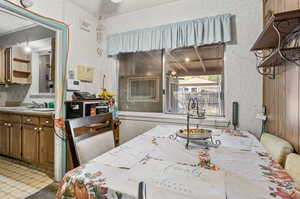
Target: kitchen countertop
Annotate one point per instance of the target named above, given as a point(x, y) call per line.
point(26, 111)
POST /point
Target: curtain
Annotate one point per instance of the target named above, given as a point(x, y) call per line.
point(204, 31)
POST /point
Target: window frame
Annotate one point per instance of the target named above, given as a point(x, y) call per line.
point(164, 89)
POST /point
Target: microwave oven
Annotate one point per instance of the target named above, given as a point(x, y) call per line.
point(78, 109)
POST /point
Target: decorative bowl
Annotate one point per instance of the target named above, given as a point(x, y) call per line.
point(195, 134)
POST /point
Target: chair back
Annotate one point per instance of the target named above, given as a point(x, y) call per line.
point(277, 147)
point(292, 166)
point(89, 137)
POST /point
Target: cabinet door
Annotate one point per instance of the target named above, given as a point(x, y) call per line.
point(21, 66)
point(2, 65)
point(30, 144)
point(16, 141)
point(46, 147)
point(4, 139)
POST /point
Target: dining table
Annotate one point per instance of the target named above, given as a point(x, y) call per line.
point(238, 168)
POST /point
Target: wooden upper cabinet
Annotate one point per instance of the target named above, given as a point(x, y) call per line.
point(20, 66)
point(30, 143)
point(16, 141)
point(46, 147)
point(2, 66)
point(15, 66)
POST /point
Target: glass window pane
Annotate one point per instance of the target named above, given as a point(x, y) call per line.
point(140, 82)
point(198, 72)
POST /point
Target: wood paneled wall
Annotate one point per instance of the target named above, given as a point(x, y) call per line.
point(282, 95)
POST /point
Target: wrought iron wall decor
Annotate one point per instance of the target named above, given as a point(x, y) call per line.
point(278, 43)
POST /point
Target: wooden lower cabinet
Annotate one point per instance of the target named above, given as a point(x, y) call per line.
point(46, 147)
point(30, 143)
point(15, 146)
point(28, 138)
point(4, 138)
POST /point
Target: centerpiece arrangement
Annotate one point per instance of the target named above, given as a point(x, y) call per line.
point(195, 111)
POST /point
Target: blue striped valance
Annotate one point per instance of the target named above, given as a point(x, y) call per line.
point(210, 30)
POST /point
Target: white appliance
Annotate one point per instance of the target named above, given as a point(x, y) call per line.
point(73, 85)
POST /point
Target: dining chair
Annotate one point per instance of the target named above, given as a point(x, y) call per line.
point(277, 147)
point(292, 166)
point(89, 137)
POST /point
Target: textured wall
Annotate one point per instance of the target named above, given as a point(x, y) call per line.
point(242, 82)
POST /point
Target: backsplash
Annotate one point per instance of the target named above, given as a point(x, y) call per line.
point(16, 95)
point(13, 94)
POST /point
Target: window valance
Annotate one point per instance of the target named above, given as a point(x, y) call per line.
point(204, 31)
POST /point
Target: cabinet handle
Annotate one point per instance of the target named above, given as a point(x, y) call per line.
point(5, 124)
point(9, 125)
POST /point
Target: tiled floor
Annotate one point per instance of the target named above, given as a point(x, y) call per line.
point(18, 181)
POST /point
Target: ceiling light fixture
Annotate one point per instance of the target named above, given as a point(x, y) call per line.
point(27, 48)
point(116, 1)
point(173, 73)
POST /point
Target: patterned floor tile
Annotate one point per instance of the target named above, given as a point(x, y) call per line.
point(18, 181)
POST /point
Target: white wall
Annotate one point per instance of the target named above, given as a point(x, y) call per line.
point(242, 82)
point(83, 44)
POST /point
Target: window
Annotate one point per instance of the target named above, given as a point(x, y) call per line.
point(198, 72)
point(140, 82)
point(185, 72)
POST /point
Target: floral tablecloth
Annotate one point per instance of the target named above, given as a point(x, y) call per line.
point(239, 169)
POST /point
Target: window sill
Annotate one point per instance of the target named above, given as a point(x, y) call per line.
point(171, 118)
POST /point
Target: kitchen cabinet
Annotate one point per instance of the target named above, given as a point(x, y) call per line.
point(2, 66)
point(15, 66)
point(29, 138)
point(4, 138)
point(38, 141)
point(46, 147)
point(30, 143)
point(15, 144)
point(10, 135)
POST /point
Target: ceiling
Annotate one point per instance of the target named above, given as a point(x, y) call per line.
point(15, 23)
point(106, 8)
point(39, 45)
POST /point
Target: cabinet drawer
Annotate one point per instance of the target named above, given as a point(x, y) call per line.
point(46, 121)
point(3, 117)
point(31, 120)
point(15, 118)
